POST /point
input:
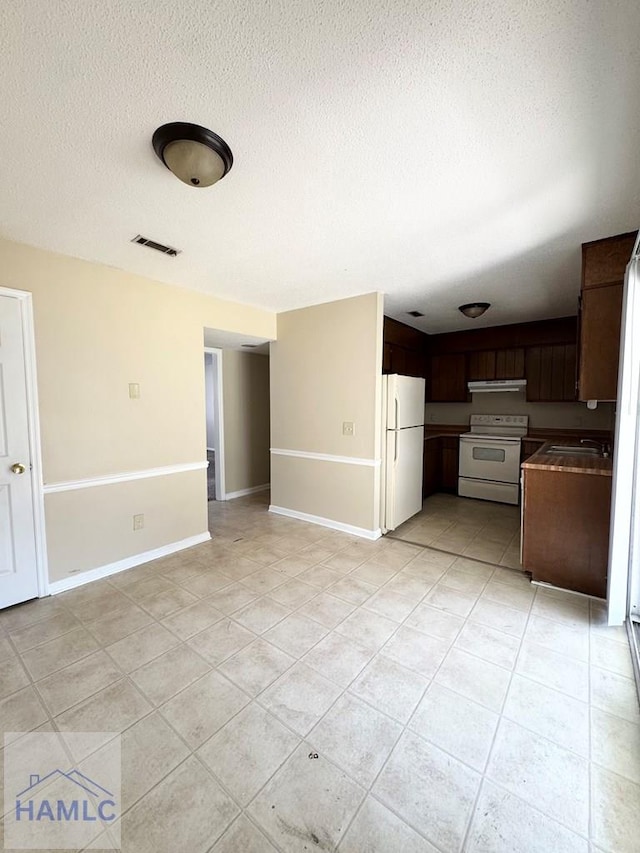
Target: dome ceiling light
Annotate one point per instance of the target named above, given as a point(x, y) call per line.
point(474, 309)
point(195, 155)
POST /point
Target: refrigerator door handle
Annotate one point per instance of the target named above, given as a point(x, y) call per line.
point(395, 447)
point(395, 422)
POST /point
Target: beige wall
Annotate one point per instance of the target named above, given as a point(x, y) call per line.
point(541, 415)
point(98, 329)
point(348, 494)
point(245, 379)
point(325, 369)
point(90, 528)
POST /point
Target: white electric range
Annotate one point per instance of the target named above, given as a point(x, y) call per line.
point(490, 457)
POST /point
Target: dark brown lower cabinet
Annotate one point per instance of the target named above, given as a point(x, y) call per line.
point(440, 461)
point(529, 446)
point(565, 529)
point(450, 463)
point(431, 466)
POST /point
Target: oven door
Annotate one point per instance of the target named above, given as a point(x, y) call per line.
point(496, 459)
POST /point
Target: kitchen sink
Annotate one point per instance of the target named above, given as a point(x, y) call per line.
point(573, 450)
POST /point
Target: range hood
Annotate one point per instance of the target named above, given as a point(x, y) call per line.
point(497, 385)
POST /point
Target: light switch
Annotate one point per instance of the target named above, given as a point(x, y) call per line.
point(138, 522)
point(348, 428)
point(134, 390)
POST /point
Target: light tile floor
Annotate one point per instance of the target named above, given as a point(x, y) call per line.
point(482, 530)
point(288, 688)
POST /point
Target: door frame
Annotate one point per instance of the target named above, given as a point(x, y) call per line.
point(218, 405)
point(25, 300)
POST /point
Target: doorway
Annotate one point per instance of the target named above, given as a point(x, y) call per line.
point(22, 550)
point(214, 424)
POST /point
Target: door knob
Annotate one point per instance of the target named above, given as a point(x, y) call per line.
point(18, 468)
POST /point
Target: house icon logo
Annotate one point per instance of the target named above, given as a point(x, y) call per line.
point(65, 797)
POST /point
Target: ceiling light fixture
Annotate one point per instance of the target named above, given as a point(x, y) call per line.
point(195, 155)
point(474, 309)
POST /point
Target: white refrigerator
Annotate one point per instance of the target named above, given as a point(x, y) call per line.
point(403, 401)
point(623, 593)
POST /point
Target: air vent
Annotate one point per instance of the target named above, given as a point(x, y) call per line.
point(415, 313)
point(159, 247)
point(249, 346)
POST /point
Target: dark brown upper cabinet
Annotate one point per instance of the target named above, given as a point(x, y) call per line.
point(600, 311)
point(404, 349)
point(448, 378)
point(482, 365)
point(551, 373)
point(510, 363)
point(496, 364)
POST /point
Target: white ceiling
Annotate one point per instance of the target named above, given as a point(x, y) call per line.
point(233, 340)
point(441, 152)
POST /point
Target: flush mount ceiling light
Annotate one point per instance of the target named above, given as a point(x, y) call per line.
point(195, 155)
point(474, 309)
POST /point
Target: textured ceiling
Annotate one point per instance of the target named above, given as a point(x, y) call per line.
point(232, 340)
point(440, 152)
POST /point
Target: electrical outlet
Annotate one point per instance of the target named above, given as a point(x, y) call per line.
point(134, 391)
point(138, 522)
point(348, 428)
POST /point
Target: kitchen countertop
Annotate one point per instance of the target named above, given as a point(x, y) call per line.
point(543, 461)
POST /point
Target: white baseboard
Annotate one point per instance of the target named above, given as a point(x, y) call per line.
point(244, 492)
point(327, 522)
point(128, 563)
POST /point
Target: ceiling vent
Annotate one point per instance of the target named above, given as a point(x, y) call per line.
point(159, 247)
point(250, 346)
point(415, 313)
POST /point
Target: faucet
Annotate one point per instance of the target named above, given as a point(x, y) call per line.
point(603, 446)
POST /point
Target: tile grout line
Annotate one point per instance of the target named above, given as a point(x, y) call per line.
point(495, 733)
point(549, 740)
point(342, 693)
point(405, 726)
point(362, 605)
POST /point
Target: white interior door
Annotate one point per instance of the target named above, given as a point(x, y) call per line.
point(404, 452)
point(18, 562)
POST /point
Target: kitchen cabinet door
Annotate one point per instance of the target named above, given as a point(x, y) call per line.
point(386, 357)
point(530, 446)
point(510, 363)
point(448, 378)
point(415, 363)
point(406, 362)
point(555, 502)
point(482, 365)
point(605, 261)
point(450, 463)
point(550, 373)
point(496, 364)
point(600, 322)
point(399, 360)
point(432, 466)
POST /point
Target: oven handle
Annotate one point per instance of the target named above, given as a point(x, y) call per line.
point(500, 439)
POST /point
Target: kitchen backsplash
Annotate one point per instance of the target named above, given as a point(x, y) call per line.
point(541, 415)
